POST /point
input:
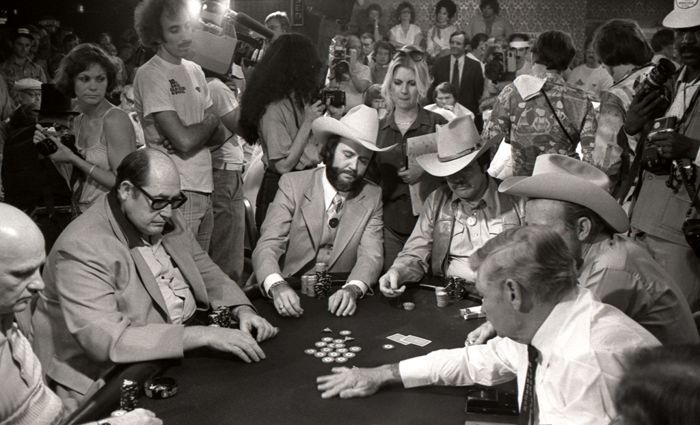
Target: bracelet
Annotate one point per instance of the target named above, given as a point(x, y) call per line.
point(278, 283)
point(91, 170)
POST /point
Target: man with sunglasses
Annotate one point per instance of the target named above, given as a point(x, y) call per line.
point(124, 281)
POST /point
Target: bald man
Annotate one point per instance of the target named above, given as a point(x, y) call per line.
point(129, 278)
point(30, 401)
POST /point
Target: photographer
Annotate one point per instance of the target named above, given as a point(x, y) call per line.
point(346, 72)
point(660, 211)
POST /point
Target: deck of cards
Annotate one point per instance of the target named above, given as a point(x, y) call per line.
point(409, 339)
point(472, 313)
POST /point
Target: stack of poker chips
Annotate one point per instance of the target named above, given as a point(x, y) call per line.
point(222, 317)
point(322, 287)
point(308, 281)
point(129, 396)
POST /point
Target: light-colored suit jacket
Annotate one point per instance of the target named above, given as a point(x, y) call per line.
point(102, 304)
point(292, 230)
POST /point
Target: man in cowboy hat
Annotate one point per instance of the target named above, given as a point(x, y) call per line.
point(566, 349)
point(326, 215)
point(660, 211)
point(457, 219)
point(570, 197)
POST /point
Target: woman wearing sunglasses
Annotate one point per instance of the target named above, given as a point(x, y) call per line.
point(405, 84)
point(103, 133)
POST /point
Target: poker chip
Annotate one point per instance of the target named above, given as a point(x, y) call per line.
point(129, 395)
point(319, 354)
point(327, 339)
point(348, 338)
point(349, 355)
point(388, 346)
point(320, 344)
point(341, 360)
point(339, 345)
point(327, 330)
point(326, 349)
point(345, 332)
point(160, 387)
point(339, 341)
point(334, 354)
point(118, 412)
point(355, 349)
point(341, 350)
point(310, 351)
point(328, 360)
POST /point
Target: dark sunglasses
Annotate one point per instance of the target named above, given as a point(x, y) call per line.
point(410, 51)
point(159, 204)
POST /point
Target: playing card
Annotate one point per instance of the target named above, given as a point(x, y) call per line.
point(416, 340)
point(398, 338)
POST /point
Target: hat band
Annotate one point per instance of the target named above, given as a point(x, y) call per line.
point(458, 155)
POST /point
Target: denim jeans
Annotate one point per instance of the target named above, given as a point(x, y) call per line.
point(227, 240)
point(199, 216)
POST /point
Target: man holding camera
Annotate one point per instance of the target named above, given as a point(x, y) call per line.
point(348, 73)
point(664, 218)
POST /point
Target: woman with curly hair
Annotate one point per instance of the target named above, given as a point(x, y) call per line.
point(438, 40)
point(278, 108)
point(103, 133)
point(405, 32)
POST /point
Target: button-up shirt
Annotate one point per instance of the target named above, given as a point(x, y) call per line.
point(582, 346)
point(621, 273)
point(14, 71)
point(175, 290)
point(449, 230)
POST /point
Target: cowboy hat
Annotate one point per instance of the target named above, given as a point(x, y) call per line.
point(360, 125)
point(458, 145)
point(685, 14)
point(563, 178)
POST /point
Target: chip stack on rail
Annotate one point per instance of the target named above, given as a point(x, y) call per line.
point(129, 397)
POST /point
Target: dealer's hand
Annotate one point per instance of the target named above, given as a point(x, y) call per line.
point(355, 382)
point(136, 417)
point(673, 145)
point(344, 301)
point(286, 301)
point(389, 284)
point(250, 321)
point(641, 111)
point(481, 334)
point(411, 175)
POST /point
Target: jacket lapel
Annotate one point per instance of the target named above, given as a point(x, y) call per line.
point(353, 215)
point(313, 210)
point(149, 282)
point(187, 267)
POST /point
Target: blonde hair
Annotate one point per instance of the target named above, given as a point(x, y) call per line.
point(420, 69)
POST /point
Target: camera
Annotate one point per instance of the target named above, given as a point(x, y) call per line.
point(48, 147)
point(656, 78)
point(336, 96)
point(340, 60)
point(501, 66)
point(651, 161)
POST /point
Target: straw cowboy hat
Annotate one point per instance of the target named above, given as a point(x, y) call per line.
point(563, 178)
point(458, 145)
point(685, 14)
point(360, 124)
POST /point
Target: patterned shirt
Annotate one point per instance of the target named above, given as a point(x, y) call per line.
point(13, 71)
point(531, 127)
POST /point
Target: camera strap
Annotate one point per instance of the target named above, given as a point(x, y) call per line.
point(568, 136)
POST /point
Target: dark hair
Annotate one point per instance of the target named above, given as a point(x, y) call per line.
point(444, 87)
point(383, 44)
point(620, 42)
point(662, 38)
point(554, 49)
point(478, 39)
point(493, 3)
point(281, 17)
point(78, 60)
point(572, 212)
point(289, 67)
point(69, 38)
point(661, 386)
point(374, 6)
point(449, 6)
point(135, 167)
point(328, 149)
point(405, 5)
point(534, 256)
point(147, 19)
point(373, 92)
point(460, 32)
point(515, 35)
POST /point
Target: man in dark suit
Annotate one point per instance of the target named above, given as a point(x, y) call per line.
point(463, 73)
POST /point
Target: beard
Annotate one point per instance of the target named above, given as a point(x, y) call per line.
point(334, 176)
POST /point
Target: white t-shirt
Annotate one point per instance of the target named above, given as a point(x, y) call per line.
point(163, 86)
point(225, 101)
point(409, 37)
point(591, 80)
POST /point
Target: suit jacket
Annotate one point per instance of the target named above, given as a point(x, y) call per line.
point(102, 304)
point(471, 83)
point(291, 234)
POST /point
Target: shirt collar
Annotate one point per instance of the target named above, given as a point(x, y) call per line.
point(423, 119)
point(546, 336)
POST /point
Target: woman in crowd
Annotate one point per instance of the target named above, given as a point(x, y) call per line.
point(383, 51)
point(406, 83)
point(438, 40)
point(103, 133)
point(405, 32)
point(490, 21)
point(277, 109)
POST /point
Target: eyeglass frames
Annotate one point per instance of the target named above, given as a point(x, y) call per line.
point(158, 204)
point(415, 54)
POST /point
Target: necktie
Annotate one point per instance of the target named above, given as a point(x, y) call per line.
point(330, 229)
point(334, 210)
point(24, 356)
point(455, 76)
point(527, 407)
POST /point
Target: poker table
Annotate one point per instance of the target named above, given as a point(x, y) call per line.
point(218, 388)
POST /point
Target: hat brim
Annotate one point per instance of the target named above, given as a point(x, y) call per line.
point(324, 127)
point(682, 18)
point(432, 165)
point(565, 187)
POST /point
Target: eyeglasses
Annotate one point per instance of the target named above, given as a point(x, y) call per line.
point(414, 53)
point(158, 204)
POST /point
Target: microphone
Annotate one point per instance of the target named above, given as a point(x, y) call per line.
point(251, 23)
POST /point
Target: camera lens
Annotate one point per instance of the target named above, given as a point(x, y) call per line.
point(46, 147)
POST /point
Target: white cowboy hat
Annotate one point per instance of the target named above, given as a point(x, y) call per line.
point(458, 144)
point(360, 124)
point(685, 14)
point(563, 178)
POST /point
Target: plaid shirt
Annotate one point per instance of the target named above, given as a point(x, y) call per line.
point(532, 129)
